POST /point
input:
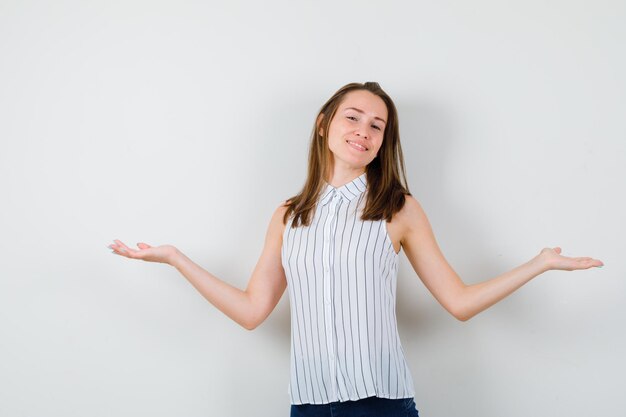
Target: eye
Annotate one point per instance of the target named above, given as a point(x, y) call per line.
point(351, 118)
point(376, 127)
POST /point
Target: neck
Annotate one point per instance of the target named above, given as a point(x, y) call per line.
point(343, 175)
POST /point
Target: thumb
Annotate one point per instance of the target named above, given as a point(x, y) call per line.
point(142, 245)
point(557, 250)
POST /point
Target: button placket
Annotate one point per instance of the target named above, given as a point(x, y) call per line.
point(330, 226)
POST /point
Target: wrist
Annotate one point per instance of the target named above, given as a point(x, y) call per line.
point(174, 257)
point(540, 264)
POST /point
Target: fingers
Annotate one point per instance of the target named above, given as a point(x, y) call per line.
point(586, 263)
point(116, 249)
point(596, 262)
point(571, 263)
point(122, 247)
point(589, 261)
point(119, 248)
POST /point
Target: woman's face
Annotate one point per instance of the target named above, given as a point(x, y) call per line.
point(356, 131)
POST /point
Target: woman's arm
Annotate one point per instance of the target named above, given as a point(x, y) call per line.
point(461, 300)
point(249, 307)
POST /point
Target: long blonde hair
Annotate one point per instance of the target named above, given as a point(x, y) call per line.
point(386, 176)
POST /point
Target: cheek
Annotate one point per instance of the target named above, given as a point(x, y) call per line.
point(379, 144)
point(333, 141)
point(332, 131)
point(337, 132)
point(345, 124)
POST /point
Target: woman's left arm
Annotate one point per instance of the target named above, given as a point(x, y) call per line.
point(461, 300)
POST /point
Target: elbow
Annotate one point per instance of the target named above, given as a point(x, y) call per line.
point(462, 316)
point(461, 313)
point(250, 324)
point(460, 307)
point(249, 318)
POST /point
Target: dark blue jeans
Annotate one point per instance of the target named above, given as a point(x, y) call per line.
point(366, 407)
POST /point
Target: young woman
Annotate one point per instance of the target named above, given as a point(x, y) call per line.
point(335, 246)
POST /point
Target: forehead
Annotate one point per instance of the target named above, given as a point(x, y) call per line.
point(370, 103)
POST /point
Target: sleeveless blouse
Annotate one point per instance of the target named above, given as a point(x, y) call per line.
point(341, 276)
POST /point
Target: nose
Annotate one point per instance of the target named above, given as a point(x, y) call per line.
point(361, 132)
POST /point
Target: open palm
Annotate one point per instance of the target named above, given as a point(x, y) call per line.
point(145, 252)
point(554, 260)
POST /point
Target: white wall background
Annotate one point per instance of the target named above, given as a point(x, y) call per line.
point(188, 122)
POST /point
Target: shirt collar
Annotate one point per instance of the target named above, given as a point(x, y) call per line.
point(347, 191)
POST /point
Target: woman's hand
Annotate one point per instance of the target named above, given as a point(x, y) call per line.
point(163, 254)
point(553, 260)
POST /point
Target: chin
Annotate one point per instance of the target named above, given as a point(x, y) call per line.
point(358, 163)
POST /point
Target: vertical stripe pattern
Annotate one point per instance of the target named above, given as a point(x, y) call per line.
point(341, 278)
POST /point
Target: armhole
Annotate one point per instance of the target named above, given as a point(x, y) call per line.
point(389, 241)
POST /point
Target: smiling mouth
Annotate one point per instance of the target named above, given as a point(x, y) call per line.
point(357, 146)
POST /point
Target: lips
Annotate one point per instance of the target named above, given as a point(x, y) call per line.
point(357, 146)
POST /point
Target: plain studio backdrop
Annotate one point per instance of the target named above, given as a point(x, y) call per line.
point(188, 123)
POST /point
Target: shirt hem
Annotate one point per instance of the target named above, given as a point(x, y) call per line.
point(355, 398)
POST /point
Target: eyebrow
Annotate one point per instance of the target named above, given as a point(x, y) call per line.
point(361, 111)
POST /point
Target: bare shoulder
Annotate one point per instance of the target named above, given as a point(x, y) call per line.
point(410, 217)
point(411, 210)
point(282, 208)
point(277, 227)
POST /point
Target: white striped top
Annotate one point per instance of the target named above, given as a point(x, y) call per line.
point(341, 275)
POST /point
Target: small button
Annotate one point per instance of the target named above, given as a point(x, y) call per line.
point(327, 301)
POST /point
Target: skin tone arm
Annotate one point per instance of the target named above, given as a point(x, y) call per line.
point(461, 300)
point(249, 307)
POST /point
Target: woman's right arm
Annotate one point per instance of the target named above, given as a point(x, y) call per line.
point(249, 307)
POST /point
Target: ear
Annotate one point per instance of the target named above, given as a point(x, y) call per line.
point(318, 122)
